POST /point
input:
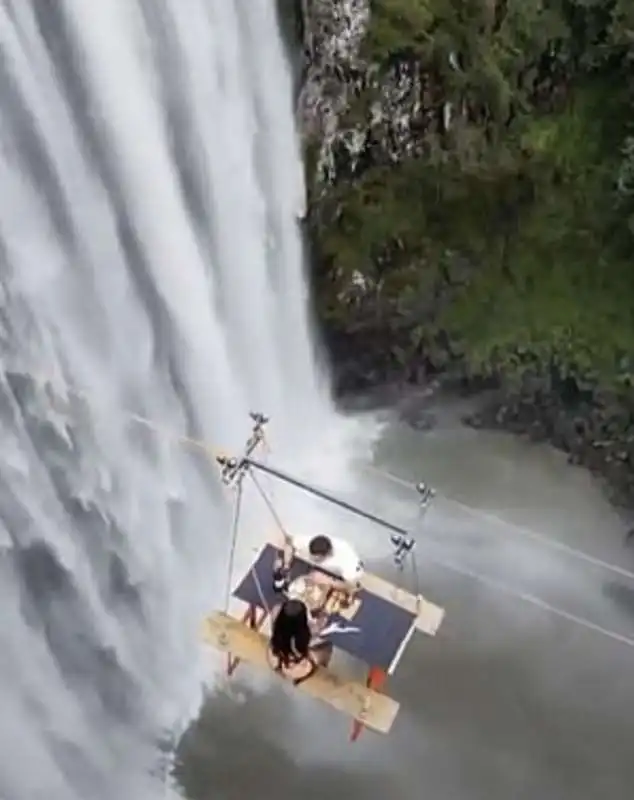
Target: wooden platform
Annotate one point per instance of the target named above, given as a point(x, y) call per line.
point(373, 709)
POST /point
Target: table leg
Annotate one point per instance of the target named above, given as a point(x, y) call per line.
point(376, 679)
point(254, 621)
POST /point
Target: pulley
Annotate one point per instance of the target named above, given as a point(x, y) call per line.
point(403, 543)
point(403, 546)
point(426, 495)
point(232, 469)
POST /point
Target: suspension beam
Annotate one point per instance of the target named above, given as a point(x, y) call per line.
point(327, 496)
point(232, 470)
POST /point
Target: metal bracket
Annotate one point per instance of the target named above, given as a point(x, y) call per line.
point(404, 544)
point(426, 494)
point(232, 469)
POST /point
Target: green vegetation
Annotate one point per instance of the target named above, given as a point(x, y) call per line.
point(509, 233)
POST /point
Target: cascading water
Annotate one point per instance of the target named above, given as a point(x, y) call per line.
point(151, 263)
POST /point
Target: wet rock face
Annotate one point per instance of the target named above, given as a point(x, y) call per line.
point(349, 105)
point(333, 32)
point(333, 76)
point(362, 106)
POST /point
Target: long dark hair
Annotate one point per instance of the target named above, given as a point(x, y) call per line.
point(290, 636)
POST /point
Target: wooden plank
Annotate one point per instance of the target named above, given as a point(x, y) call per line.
point(373, 709)
point(376, 679)
point(254, 618)
point(428, 615)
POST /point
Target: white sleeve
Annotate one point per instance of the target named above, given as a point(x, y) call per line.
point(349, 563)
point(352, 572)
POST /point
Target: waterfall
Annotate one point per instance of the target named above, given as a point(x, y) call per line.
point(151, 264)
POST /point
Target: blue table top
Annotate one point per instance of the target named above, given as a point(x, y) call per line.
point(382, 626)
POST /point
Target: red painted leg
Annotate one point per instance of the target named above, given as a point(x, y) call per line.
point(376, 679)
point(251, 617)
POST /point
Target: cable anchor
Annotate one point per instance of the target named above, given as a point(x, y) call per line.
point(426, 494)
point(403, 543)
point(232, 469)
point(403, 546)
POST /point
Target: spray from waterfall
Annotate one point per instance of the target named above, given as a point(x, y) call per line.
point(150, 263)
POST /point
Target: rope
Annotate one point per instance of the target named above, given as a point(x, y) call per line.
point(186, 440)
point(270, 485)
point(270, 507)
point(410, 553)
point(235, 529)
point(235, 526)
point(521, 530)
point(532, 599)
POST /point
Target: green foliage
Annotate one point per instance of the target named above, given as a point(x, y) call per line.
point(513, 234)
point(398, 26)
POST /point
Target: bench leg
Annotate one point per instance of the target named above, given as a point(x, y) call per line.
point(376, 679)
point(255, 621)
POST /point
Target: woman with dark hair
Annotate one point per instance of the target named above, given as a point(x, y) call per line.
point(293, 650)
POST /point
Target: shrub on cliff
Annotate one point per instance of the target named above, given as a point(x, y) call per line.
point(503, 226)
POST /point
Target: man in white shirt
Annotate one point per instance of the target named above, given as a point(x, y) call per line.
point(333, 555)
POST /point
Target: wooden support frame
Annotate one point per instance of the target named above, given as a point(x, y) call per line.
point(255, 618)
point(375, 680)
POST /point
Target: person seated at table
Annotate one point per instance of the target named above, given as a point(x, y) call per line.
point(336, 556)
point(307, 588)
point(317, 589)
point(295, 650)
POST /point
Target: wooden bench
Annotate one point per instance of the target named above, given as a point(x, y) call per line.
point(373, 709)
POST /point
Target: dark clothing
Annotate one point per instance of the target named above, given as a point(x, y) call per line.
point(296, 659)
point(281, 580)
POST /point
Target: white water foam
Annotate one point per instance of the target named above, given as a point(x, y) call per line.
point(151, 262)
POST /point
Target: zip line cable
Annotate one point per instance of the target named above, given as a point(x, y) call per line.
point(533, 600)
point(270, 506)
point(235, 535)
point(520, 530)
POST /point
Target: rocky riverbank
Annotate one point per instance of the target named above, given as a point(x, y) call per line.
point(597, 434)
point(594, 429)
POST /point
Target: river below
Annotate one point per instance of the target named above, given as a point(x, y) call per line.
point(510, 699)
